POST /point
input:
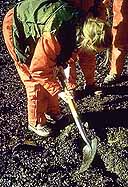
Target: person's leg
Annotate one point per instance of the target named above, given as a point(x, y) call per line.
point(43, 98)
point(53, 107)
point(120, 40)
point(37, 104)
point(87, 63)
point(117, 61)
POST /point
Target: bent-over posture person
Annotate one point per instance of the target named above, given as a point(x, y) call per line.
point(41, 37)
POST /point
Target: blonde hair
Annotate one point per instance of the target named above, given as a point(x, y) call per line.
point(96, 35)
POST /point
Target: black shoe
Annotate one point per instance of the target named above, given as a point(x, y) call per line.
point(92, 90)
point(63, 122)
point(110, 79)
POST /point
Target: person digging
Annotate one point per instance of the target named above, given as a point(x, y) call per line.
point(41, 37)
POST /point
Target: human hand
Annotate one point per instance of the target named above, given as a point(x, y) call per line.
point(61, 73)
point(65, 95)
point(67, 72)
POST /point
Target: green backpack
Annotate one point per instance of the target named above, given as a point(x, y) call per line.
point(29, 24)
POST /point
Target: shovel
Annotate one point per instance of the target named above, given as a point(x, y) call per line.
point(89, 150)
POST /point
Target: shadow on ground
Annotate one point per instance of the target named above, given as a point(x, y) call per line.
point(106, 119)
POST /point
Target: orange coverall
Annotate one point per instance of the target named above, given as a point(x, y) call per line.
point(120, 35)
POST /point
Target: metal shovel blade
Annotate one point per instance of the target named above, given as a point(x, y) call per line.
point(88, 155)
point(89, 149)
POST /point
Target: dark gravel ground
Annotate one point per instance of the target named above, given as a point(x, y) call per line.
point(28, 160)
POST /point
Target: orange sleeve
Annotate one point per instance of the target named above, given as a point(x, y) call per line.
point(43, 64)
